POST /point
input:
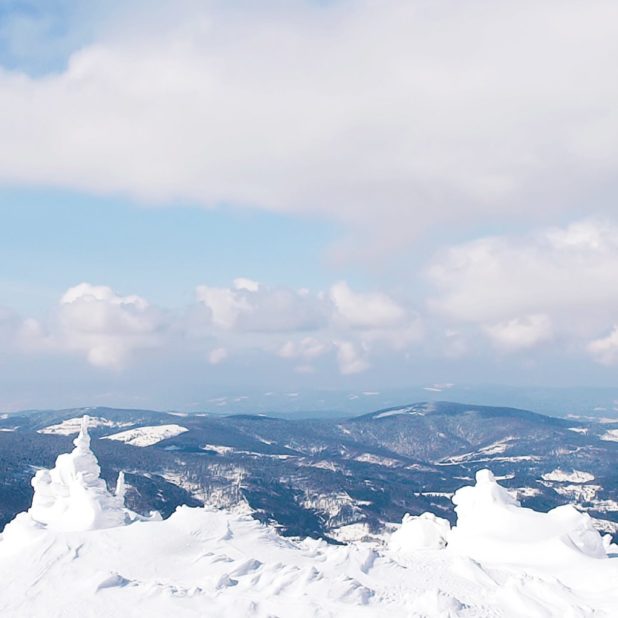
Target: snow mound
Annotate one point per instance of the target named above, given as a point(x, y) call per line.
point(492, 526)
point(424, 532)
point(72, 496)
point(147, 436)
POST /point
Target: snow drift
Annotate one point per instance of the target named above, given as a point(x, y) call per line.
point(78, 551)
point(424, 532)
point(491, 525)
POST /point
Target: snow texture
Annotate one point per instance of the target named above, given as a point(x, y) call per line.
point(492, 524)
point(147, 436)
point(78, 552)
point(424, 532)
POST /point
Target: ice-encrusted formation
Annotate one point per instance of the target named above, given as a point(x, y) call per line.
point(423, 532)
point(121, 488)
point(491, 525)
point(72, 496)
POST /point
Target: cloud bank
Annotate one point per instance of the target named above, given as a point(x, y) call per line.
point(552, 289)
point(389, 116)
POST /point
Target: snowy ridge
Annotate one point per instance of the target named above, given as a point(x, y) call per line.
point(416, 410)
point(72, 426)
point(79, 552)
point(147, 436)
point(576, 476)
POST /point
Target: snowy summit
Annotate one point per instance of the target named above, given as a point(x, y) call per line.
point(78, 551)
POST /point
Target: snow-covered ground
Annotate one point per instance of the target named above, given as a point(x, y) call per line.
point(576, 476)
point(147, 436)
point(412, 410)
point(79, 552)
point(611, 435)
point(71, 426)
point(220, 450)
point(388, 462)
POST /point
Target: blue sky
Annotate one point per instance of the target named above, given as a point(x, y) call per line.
point(212, 197)
point(53, 239)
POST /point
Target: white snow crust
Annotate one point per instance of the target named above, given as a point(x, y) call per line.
point(576, 476)
point(147, 436)
point(78, 552)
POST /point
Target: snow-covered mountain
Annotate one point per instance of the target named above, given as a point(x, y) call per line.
point(327, 478)
point(78, 551)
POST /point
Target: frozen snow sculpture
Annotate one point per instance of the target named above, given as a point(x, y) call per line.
point(121, 488)
point(72, 496)
point(491, 525)
point(423, 532)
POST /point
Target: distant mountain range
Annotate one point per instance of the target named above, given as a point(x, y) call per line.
point(295, 403)
point(335, 478)
point(302, 403)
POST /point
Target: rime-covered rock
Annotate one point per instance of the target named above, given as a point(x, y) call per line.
point(491, 525)
point(73, 496)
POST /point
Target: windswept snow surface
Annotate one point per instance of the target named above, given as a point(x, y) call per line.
point(424, 532)
point(147, 436)
point(78, 552)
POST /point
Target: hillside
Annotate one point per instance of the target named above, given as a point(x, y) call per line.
point(326, 478)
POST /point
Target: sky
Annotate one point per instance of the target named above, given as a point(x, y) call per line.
point(229, 197)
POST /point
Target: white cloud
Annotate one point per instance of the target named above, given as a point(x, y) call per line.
point(106, 327)
point(560, 272)
point(512, 291)
point(352, 358)
point(248, 306)
point(225, 304)
point(390, 116)
point(308, 349)
point(366, 310)
point(520, 333)
point(301, 326)
point(217, 356)
point(554, 286)
point(351, 324)
point(242, 283)
point(605, 349)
